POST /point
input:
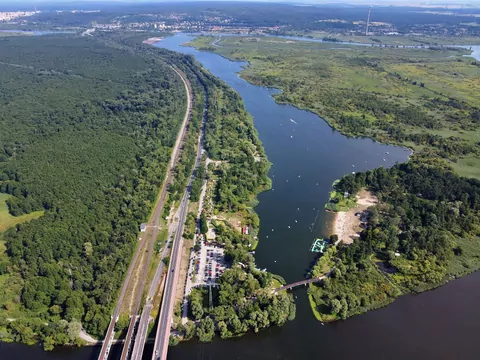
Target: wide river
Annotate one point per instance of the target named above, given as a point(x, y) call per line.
point(307, 156)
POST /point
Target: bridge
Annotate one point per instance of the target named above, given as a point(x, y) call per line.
point(300, 283)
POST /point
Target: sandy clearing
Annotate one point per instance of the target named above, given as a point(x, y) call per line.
point(346, 224)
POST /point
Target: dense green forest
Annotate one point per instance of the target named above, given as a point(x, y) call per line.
point(86, 130)
point(425, 230)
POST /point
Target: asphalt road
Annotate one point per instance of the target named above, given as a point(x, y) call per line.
point(155, 219)
point(163, 329)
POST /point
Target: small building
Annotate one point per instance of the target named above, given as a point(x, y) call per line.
point(245, 230)
point(143, 227)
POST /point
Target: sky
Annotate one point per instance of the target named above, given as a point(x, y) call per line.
point(11, 3)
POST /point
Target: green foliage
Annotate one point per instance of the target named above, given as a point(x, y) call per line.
point(426, 217)
point(206, 330)
point(231, 137)
point(203, 223)
point(166, 260)
point(197, 184)
point(339, 202)
point(421, 98)
point(190, 226)
point(173, 340)
point(86, 132)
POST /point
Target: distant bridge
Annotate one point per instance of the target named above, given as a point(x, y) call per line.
point(300, 283)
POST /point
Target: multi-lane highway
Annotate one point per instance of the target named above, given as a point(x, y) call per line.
point(164, 322)
point(142, 328)
point(146, 242)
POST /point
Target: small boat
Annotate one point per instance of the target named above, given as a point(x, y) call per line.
point(293, 121)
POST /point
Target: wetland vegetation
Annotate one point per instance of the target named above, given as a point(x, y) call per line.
point(420, 98)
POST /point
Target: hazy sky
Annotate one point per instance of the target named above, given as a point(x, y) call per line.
point(12, 3)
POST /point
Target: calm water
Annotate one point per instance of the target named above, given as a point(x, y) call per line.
point(307, 156)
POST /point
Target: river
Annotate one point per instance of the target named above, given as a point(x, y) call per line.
point(307, 156)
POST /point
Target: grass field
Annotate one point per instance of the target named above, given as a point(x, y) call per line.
point(7, 220)
point(420, 98)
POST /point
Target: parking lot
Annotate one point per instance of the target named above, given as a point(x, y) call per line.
point(205, 266)
point(209, 265)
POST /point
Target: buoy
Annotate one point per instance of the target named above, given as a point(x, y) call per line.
point(289, 226)
point(291, 137)
point(296, 221)
point(273, 230)
point(353, 165)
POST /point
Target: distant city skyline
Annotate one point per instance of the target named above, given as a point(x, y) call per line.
point(49, 5)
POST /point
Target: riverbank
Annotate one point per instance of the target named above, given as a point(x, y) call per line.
point(360, 81)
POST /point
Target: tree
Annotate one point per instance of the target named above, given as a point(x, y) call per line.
point(203, 223)
point(206, 330)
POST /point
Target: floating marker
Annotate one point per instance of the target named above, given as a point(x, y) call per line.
point(353, 165)
point(291, 137)
point(273, 230)
point(289, 226)
point(296, 221)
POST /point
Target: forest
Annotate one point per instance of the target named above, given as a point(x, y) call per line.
point(425, 231)
point(86, 132)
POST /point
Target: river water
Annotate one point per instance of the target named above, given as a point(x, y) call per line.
point(307, 156)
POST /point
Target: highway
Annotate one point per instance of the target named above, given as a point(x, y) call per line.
point(153, 222)
point(142, 329)
point(165, 319)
